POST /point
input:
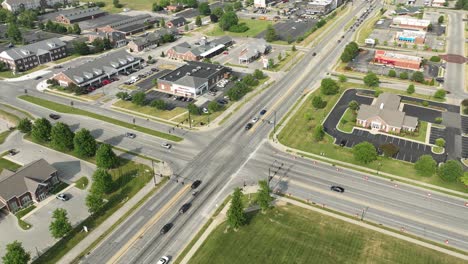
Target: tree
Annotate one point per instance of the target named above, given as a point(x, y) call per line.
point(237, 6)
point(270, 35)
point(25, 125)
point(258, 74)
point(139, 98)
point(122, 95)
point(342, 78)
point(117, 4)
point(464, 179)
point(84, 143)
point(60, 224)
point(392, 73)
point(350, 51)
point(204, 9)
point(280, 58)
point(389, 149)
point(214, 107)
point(235, 214)
point(404, 75)
point(425, 166)
point(159, 104)
point(329, 86)
point(41, 130)
point(14, 34)
point(76, 29)
point(61, 137)
point(198, 21)
point(318, 103)
point(440, 142)
point(193, 109)
point(162, 22)
point(318, 133)
point(102, 181)
point(353, 105)
point(15, 254)
point(218, 12)
point(264, 198)
point(435, 59)
point(157, 7)
point(293, 48)
point(94, 201)
point(105, 157)
point(364, 152)
point(418, 77)
point(450, 171)
point(410, 89)
point(213, 18)
point(271, 63)
point(430, 27)
point(371, 80)
point(81, 48)
point(440, 94)
point(228, 20)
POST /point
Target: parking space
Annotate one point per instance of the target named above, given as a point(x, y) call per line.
point(422, 113)
point(464, 124)
point(464, 147)
point(436, 133)
point(171, 101)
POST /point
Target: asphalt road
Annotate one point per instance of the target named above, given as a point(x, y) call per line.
point(455, 72)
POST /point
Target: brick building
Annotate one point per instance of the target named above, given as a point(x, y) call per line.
point(72, 16)
point(205, 49)
point(397, 60)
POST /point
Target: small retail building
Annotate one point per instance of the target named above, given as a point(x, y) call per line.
point(397, 60)
point(252, 50)
point(411, 36)
point(204, 49)
point(410, 23)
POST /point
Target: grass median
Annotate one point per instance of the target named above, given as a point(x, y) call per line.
point(76, 111)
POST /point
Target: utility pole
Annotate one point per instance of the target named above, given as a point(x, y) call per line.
point(189, 119)
point(154, 174)
point(364, 211)
point(274, 124)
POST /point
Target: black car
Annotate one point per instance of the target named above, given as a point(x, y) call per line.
point(195, 184)
point(38, 77)
point(337, 189)
point(184, 208)
point(263, 112)
point(54, 116)
point(248, 126)
point(315, 53)
point(166, 228)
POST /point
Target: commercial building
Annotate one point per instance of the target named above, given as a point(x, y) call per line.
point(397, 60)
point(192, 79)
point(125, 24)
point(408, 10)
point(29, 56)
point(118, 39)
point(98, 69)
point(72, 16)
point(29, 184)
point(204, 49)
point(260, 3)
point(17, 5)
point(152, 39)
point(438, 3)
point(253, 49)
point(384, 115)
point(411, 36)
point(410, 23)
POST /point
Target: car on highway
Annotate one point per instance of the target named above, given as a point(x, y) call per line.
point(254, 120)
point(248, 126)
point(315, 53)
point(63, 197)
point(184, 208)
point(166, 145)
point(163, 260)
point(166, 228)
point(130, 135)
point(263, 112)
point(336, 188)
point(195, 184)
point(54, 116)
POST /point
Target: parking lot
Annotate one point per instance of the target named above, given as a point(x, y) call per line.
point(291, 29)
point(193, 12)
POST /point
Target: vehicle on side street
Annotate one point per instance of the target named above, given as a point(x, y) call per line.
point(248, 126)
point(130, 135)
point(166, 228)
point(163, 260)
point(263, 112)
point(13, 152)
point(166, 145)
point(195, 184)
point(38, 78)
point(54, 116)
point(336, 188)
point(205, 110)
point(63, 197)
point(184, 208)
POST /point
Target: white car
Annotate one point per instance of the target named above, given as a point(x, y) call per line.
point(166, 145)
point(205, 110)
point(163, 260)
point(254, 120)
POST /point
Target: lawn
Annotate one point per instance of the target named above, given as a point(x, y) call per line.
point(9, 74)
point(9, 165)
point(255, 28)
point(291, 234)
point(347, 121)
point(142, 5)
point(11, 118)
point(297, 133)
point(420, 134)
point(82, 183)
point(366, 29)
point(148, 110)
point(68, 58)
point(317, 34)
point(24, 225)
point(285, 60)
point(76, 111)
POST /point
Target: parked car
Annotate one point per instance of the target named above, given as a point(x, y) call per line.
point(254, 120)
point(63, 197)
point(205, 110)
point(248, 126)
point(130, 135)
point(184, 208)
point(105, 82)
point(154, 69)
point(13, 152)
point(166, 145)
point(336, 188)
point(58, 67)
point(263, 112)
point(163, 260)
point(54, 116)
point(195, 184)
point(38, 77)
point(166, 228)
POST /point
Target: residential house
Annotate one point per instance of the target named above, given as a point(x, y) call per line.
point(29, 184)
point(17, 5)
point(152, 39)
point(174, 8)
point(29, 56)
point(384, 115)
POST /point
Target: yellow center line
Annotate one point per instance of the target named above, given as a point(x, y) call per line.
point(147, 226)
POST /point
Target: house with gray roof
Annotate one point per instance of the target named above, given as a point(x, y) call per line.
point(17, 5)
point(75, 15)
point(384, 114)
point(148, 40)
point(29, 184)
point(176, 22)
point(98, 69)
point(202, 49)
point(192, 79)
point(29, 56)
point(126, 24)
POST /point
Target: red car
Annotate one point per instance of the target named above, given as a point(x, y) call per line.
point(105, 82)
point(225, 53)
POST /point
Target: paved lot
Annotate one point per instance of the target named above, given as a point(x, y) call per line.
point(464, 147)
point(147, 83)
point(464, 124)
point(291, 29)
point(436, 133)
point(193, 12)
point(424, 114)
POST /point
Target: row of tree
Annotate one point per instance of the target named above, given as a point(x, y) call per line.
point(60, 28)
point(244, 86)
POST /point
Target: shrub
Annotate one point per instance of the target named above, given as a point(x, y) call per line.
point(318, 103)
point(404, 76)
point(440, 94)
point(392, 73)
point(389, 149)
point(435, 59)
point(438, 120)
point(425, 103)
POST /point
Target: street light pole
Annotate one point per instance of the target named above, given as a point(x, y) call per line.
point(364, 211)
point(189, 119)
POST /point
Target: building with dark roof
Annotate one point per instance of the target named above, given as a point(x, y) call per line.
point(126, 24)
point(205, 49)
point(98, 69)
point(79, 14)
point(253, 49)
point(152, 39)
point(192, 79)
point(117, 39)
point(29, 56)
point(29, 184)
point(17, 5)
point(176, 22)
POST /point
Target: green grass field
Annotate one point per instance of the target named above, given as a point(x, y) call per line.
point(292, 234)
point(255, 28)
point(76, 111)
point(6, 164)
point(347, 121)
point(148, 110)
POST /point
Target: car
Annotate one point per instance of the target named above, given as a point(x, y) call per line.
point(38, 77)
point(195, 184)
point(339, 40)
point(57, 67)
point(141, 76)
point(205, 110)
point(163, 260)
point(336, 188)
point(248, 126)
point(254, 120)
point(184, 208)
point(13, 152)
point(130, 135)
point(225, 52)
point(190, 99)
point(105, 82)
point(154, 69)
point(315, 53)
point(63, 197)
point(263, 112)
point(166, 145)
point(166, 228)
point(54, 116)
